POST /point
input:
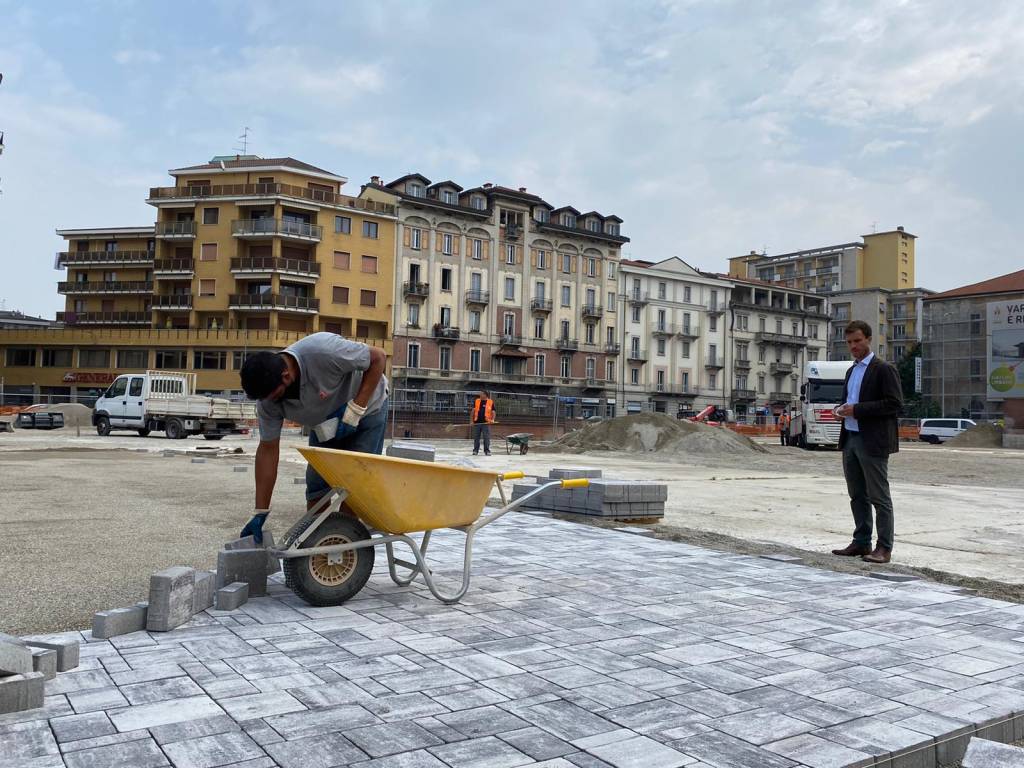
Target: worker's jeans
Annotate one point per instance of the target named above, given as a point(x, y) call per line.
point(867, 481)
point(484, 431)
point(368, 438)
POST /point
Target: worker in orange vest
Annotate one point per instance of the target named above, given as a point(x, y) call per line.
point(482, 417)
point(784, 422)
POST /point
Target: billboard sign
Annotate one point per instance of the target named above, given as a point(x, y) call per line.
point(1006, 349)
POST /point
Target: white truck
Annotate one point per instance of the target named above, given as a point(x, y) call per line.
point(166, 400)
point(821, 392)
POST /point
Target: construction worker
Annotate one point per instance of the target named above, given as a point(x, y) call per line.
point(332, 385)
point(784, 422)
point(481, 417)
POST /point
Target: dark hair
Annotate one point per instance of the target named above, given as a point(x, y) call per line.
point(485, 392)
point(858, 325)
point(261, 374)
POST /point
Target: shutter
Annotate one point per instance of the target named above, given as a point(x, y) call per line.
point(519, 254)
point(455, 244)
point(572, 264)
point(597, 268)
point(486, 249)
point(406, 236)
point(533, 257)
point(438, 241)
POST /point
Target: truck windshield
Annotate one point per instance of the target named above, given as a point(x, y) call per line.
point(824, 391)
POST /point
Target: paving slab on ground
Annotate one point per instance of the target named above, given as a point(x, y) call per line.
point(575, 646)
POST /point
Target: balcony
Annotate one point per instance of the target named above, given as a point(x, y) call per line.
point(743, 395)
point(540, 304)
point(568, 345)
point(638, 297)
point(171, 268)
point(664, 329)
point(688, 331)
point(105, 318)
point(592, 310)
point(173, 302)
point(764, 337)
point(415, 288)
point(193, 192)
point(176, 230)
point(714, 363)
point(408, 372)
point(445, 332)
point(741, 365)
point(262, 302)
point(716, 308)
point(285, 228)
point(781, 368)
point(672, 389)
point(592, 382)
point(612, 348)
point(781, 397)
point(637, 355)
point(104, 258)
point(510, 340)
point(110, 286)
point(481, 298)
point(265, 266)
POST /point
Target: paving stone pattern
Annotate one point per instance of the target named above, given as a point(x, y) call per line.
point(575, 646)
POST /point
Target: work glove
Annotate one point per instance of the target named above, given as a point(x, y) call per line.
point(351, 418)
point(254, 527)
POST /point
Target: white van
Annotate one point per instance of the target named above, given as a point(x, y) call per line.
point(940, 430)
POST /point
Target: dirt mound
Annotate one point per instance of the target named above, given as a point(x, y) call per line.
point(978, 436)
point(75, 414)
point(653, 433)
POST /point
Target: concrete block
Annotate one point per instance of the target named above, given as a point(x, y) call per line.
point(170, 598)
point(415, 451)
point(246, 565)
point(989, 754)
point(198, 461)
point(202, 591)
point(119, 621)
point(44, 661)
point(66, 648)
point(573, 473)
point(248, 542)
point(232, 596)
point(21, 692)
point(239, 468)
point(15, 658)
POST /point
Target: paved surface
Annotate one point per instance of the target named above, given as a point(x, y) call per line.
point(575, 646)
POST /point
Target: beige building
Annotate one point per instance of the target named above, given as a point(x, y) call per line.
point(894, 317)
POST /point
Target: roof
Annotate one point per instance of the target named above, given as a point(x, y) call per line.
point(251, 162)
point(446, 183)
point(755, 282)
point(897, 231)
point(1009, 283)
point(566, 208)
point(409, 176)
point(592, 213)
point(107, 231)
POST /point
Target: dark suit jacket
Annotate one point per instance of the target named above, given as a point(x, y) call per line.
point(877, 413)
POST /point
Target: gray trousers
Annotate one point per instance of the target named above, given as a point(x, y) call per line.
point(481, 430)
point(867, 482)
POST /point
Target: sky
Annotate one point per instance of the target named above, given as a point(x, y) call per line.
point(711, 127)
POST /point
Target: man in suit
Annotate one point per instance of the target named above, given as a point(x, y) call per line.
point(872, 399)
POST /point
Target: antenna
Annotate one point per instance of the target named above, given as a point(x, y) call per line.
point(874, 227)
point(244, 138)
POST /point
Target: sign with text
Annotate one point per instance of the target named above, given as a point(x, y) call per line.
point(88, 377)
point(1006, 349)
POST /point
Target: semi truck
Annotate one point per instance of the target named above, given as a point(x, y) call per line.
point(821, 392)
point(167, 401)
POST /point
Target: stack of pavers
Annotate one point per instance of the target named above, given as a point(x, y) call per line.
point(617, 499)
point(417, 451)
point(26, 663)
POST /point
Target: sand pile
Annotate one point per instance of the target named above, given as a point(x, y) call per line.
point(654, 433)
point(978, 436)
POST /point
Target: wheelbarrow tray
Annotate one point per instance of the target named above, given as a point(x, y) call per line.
point(398, 496)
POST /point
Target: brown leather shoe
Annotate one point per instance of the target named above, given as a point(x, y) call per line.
point(880, 555)
point(854, 550)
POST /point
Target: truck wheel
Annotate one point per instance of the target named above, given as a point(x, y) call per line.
point(102, 426)
point(213, 437)
point(317, 580)
point(144, 432)
point(175, 430)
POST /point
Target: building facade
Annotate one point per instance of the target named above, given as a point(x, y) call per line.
point(496, 286)
point(894, 317)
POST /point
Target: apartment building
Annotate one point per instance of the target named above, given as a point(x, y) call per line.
point(494, 285)
point(879, 260)
point(773, 331)
point(246, 253)
point(675, 337)
point(894, 317)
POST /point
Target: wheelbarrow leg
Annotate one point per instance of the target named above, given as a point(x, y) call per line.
point(420, 567)
point(414, 568)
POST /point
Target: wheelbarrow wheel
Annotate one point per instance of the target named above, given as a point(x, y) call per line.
point(323, 580)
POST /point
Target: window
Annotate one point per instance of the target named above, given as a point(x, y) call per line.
point(566, 366)
point(211, 215)
point(510, 288)
point(714, 300)
point(660, 381)
point(87, 358)
point(446, 358)
point(568, 220)
point(478, 202)
point(342, 225)
point(712, 379)
point(110, 246)
point(208, 252)
point(339, 294)
point(975, 367)
point(760, 383)
point(474, 320)
point(510, 254)
point(812, 330)
point(446, 317)
point(713, 323)
point(566, 263)
point(542, 215)
point(57, 358)
point(447, 196)
point(609, 370)
point(509, 324)
point(591, 267)
point(566, 295)
point(474, 360)
point(542, 259)
point(342, 260)
point(761, 353)
point(369, 265)
point(686, 381)
point(634, 375)
point(446, 244)
point(590, 368)
point(661, 347)
point(610, 336)
point(712, 353)
point(976, 324)
point(538, 327)
point(538, 365)
point(414, 315)
point(589, 333)
point(207, 287)
point(565, 329)
point(686, 294)
point(611, 301)
point(686, 350)
point(742, 350)
point(662, 290)
point(760, 324)
point(593, 225)
point(416, 239)
point(370, 229)
point(367, 298)
point(478, 249)
point(796, 329)
point(415, 189)
point(446, 279)
point(778, 326)
point(21, 357)
point(176, 359)
point(134, 358)
point(611, 270)
point(412, 358)
point(206, 360)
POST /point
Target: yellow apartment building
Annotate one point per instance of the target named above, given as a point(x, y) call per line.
point(246, 253)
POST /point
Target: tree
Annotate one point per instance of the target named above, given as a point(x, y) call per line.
point(914, 405)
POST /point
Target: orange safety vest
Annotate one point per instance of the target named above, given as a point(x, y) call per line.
point(784, 421)
point(488, 410)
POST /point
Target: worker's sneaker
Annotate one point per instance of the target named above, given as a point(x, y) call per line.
point(880, 555)
point(487, 453)
point(853, 550)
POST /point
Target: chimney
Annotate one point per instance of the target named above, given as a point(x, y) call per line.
point(487, 185)
point(899, 229)
point(522, 189)
point(375, 179)
point(753, 253)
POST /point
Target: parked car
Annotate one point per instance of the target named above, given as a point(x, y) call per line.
point(940, 430)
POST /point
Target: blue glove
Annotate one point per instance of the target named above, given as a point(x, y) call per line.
point(254, 527)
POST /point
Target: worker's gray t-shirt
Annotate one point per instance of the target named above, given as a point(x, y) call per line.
point(331, 371)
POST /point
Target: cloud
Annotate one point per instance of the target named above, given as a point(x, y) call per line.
point(137, 56)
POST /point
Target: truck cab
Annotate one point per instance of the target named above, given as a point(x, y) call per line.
point(821, 392)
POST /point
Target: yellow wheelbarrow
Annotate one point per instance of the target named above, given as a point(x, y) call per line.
point(328, 554)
